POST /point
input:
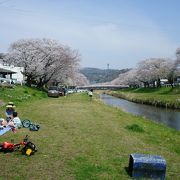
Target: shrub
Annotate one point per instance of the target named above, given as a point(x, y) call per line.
point(135, 128)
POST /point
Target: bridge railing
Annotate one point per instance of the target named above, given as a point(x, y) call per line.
point(114, 87)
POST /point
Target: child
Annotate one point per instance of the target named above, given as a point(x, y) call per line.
point(16, 121)
point(3, 123)
point(10, 108)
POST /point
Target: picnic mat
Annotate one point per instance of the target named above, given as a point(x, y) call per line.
point(4, 130)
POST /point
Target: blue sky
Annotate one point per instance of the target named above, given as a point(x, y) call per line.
point(115, 32)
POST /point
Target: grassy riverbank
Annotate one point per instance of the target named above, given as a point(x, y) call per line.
point(84, 139)
point(162, 97)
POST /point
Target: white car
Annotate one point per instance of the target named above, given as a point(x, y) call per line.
point(70, 91)
point(81, 90)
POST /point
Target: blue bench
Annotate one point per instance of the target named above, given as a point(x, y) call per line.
point(147, 166)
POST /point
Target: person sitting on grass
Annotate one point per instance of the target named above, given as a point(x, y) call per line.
point(10, 108)
point(3, 123)
point(16, 121)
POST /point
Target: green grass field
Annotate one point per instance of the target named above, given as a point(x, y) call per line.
point(81, 138)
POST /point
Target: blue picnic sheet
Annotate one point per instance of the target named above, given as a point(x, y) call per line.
point(4, 130)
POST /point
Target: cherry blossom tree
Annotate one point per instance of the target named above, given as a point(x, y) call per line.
point(153, 70)
point(43, 60)
point(129, 78)
point(148, 72)
point(78, 79)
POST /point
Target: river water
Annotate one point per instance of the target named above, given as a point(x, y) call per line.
point(169, 117)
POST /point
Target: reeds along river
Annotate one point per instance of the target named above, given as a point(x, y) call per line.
point(168, 117)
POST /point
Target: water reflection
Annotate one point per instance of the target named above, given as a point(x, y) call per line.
point(168, 117)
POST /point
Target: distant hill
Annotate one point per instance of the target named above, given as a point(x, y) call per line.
point(96, 75)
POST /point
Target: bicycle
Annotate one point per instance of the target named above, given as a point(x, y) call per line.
point(28, 148)
point(28, 124)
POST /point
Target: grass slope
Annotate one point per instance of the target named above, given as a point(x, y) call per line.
point(162, 97)
point(83, 139)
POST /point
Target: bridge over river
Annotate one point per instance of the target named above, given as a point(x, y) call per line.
point(103, 87)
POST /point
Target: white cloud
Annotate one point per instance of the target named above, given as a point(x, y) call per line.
point(123, 41)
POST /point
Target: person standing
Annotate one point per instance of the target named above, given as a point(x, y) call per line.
point(90, 93)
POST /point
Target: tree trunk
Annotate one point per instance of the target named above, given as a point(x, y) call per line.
point(40, 84)
point(29, 81)
point(158, 83)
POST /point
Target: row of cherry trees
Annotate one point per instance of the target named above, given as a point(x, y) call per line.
point(150, 72)
point(46, 61)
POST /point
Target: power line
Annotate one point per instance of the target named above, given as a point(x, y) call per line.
point(5, 1)
point(11, 8)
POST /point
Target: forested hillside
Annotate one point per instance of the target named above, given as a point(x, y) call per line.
point(96, 75)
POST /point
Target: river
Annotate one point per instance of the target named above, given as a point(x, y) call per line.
point(168, 117)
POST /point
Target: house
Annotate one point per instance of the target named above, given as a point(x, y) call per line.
point(11, 74)
point(163, 81)
point(3, 75)
point(178, 79)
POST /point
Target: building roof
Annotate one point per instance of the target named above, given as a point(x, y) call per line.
point(2, 71)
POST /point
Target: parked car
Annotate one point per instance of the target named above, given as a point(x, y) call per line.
point(61, 92)
point(81, 90)
point(70, 91)
point(55, 91)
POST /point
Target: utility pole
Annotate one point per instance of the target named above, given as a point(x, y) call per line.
point(108, 72)
point(107, 66)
